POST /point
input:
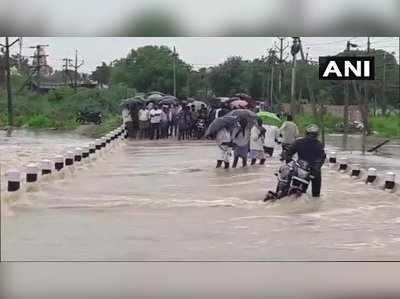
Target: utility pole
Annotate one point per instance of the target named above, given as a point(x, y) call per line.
point(7, 47)
point(67, 63)
point(384, 85)
point(174, 71)
point(76, 67)
point(20, 53)
point(271, 59)
point(364, 107)
point(294, 50)
point(281, 50)
point(349, 45)
point(38, 59)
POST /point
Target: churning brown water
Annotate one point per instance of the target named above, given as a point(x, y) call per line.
point(164, 200)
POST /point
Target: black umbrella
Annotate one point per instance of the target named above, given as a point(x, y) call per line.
point(242, 95)
point(140, 98)
point(247, 114)
point(131, 102)
point(154, 97)
point(220, 123)
point(155, 92)
point(168, 100)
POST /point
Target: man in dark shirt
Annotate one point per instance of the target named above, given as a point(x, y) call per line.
point(311, 150)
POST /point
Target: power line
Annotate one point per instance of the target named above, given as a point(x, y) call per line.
point(329, 42)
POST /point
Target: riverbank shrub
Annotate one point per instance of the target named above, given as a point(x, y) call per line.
point(386, 126)
point(59, 108)
point(331, 123)
point(39, 121)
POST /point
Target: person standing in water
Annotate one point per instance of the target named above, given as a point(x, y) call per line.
point(155, 119)
point(257, 136)
point(241, 138)
point(224, 143)
point(289, 132)
point(144, 123)
point(271, 139)
point(127, 119)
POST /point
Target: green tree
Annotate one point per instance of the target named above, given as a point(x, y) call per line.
point(151, 68)
point(102, 74)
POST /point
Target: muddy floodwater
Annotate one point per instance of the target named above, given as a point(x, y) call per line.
point(164, 200)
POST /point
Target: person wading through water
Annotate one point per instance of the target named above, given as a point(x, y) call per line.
point(257, 136)
point(224, 143)
point(289, 132)
point(241, 138)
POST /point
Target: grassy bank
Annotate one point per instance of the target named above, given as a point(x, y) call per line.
point(383, 126)
point(386, 126)
point(59, 108)
point(331, 123)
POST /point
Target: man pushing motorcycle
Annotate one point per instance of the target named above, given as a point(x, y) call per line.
point(311, 150)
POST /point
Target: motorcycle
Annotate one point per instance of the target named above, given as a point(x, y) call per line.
point(89, 117)
point(293, 180)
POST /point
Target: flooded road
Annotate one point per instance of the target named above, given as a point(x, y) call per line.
point(164, 200)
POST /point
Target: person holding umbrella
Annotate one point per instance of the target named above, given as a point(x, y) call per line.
point(241, 138)
point(257, 136)
point(224, 143)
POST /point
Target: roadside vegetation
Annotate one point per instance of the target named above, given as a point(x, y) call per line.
point(59, 109)
point(149, 68)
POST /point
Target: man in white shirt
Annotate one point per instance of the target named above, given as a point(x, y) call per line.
point(127, 119)
point(270, 139)
point(289, 132)
point(144, 123)
point(155, 119)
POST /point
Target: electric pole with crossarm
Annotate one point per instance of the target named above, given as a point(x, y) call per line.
point(76, 67)
point(7, 47)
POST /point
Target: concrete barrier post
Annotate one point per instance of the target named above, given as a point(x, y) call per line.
point(98, 143)
point(103, 142)
point(332, 158)
point(46, 166)
point(78, 154)
point(14, 178)
point(85, 151)
point(58, 162)
point(69, 158)
point(343, 165)
point(92, 148)
point(389, 181)
point(355, 170)
point(32, 170)
point(371, 175)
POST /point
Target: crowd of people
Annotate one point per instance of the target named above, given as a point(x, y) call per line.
point(156, 121)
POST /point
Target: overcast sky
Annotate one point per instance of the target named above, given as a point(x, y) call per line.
point(198, 51)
